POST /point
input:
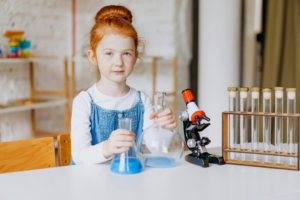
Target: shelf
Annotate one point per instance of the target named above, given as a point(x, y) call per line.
point(262, 114)
point(274, 153)
point(36, 104)
point(268, 165)
point(27, 60)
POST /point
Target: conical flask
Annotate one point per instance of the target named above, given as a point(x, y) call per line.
point(126, 162)
point(159, 147)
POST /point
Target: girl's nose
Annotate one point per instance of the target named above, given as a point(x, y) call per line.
point(118, 61)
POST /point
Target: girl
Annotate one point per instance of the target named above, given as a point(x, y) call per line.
point(94, 134)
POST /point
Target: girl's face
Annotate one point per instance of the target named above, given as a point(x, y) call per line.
point(116, 57)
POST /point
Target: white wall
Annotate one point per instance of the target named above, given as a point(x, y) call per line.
point(219, 52)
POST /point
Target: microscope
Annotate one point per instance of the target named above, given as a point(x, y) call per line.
point(192, 127)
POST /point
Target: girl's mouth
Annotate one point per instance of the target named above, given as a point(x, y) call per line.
point(118, 72)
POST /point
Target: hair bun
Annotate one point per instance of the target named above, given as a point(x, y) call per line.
point(112, 11)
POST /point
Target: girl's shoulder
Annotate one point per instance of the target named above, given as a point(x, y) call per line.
point(84, 97)
point(81, 105)
point(144, 97)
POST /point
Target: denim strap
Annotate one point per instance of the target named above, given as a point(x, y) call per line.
point(90, 96)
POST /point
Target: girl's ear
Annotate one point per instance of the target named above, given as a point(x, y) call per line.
point(92, 57)
point(136, 56)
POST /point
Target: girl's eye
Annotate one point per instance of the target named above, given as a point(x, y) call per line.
point(109, 53)
point(126, 53)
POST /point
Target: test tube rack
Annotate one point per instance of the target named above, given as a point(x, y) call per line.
point(226, 150)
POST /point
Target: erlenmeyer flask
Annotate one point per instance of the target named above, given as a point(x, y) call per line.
point(159, 147)
point(127, 162)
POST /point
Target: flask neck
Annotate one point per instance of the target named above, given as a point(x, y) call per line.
point(160, 102)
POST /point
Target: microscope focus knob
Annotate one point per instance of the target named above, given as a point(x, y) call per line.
point(183, 115)
point(191, 143)
point(204, 141)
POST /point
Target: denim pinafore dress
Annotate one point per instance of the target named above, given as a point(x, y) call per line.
point(104, 121)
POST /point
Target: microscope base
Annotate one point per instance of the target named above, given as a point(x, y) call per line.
point(204, 160)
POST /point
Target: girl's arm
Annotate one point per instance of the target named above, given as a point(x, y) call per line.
point(83, 152)
point(149, 109)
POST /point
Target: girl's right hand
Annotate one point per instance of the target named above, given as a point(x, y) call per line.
point(119, 141)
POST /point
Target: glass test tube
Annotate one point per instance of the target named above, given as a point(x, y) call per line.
point(232, 139)
point(267, 122)
point(278, 123)
point(255, 121)
point(291, 109)
point(243, 120)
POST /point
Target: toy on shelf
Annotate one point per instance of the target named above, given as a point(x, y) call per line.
point(25, 49)
point(192, 127)
point(14, 45)
point(16, 103)
point(16, 35)
point(15, 38)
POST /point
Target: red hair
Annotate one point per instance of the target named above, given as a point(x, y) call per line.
point(116, 20)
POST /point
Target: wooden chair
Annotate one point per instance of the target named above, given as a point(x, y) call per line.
point(27, 155)
point(64, 149)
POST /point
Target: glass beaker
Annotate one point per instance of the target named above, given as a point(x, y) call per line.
point(126, 162)
point(159, 147)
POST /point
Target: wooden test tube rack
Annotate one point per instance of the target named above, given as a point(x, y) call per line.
point(226, 150)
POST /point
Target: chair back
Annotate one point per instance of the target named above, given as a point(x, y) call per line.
point(27, 154)
point(64, 149)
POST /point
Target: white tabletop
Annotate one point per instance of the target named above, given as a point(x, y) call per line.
point(185, 181)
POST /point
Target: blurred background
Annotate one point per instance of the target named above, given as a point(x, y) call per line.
point(199, 44)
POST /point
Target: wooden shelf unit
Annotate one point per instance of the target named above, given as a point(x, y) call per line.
point(39, 102)
point(226, 150)
point(35, 104)
point(28, 60)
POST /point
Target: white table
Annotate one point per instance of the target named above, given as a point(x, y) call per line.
point(185, 182)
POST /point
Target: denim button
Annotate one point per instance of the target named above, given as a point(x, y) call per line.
point(120, 115)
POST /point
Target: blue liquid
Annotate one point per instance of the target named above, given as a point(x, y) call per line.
point(133, 166)
point(160, 162)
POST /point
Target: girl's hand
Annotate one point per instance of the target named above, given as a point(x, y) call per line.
point(164, 118)
point(118, 138)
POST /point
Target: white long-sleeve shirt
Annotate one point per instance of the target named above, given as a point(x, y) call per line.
point(83, 152)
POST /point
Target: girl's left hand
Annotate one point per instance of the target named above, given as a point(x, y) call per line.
point(164, 118)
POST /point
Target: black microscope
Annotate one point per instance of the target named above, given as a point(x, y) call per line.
point(192, 127)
